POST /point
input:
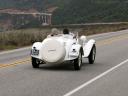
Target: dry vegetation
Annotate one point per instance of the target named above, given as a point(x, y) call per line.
point(19, 38)
point(25, 37)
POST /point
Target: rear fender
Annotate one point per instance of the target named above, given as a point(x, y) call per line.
point(88, 47)
point(37, 46)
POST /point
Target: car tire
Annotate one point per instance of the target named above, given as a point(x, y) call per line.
point(92, 55)
point(35, 63)
point(78, 62)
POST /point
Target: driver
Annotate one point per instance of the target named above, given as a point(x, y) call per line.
point(69, 34)
point(65, 31)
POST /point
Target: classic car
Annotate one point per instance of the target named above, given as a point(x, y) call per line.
point(66, 46)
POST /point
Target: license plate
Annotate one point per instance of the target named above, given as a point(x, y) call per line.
point(35, 52)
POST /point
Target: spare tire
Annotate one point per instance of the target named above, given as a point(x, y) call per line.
point(53, 51)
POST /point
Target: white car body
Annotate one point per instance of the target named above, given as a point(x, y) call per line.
point(61, 48)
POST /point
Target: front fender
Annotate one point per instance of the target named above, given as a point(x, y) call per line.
point(88, 47)
point(74, 51)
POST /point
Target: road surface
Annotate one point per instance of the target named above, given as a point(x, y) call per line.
point(107, 77)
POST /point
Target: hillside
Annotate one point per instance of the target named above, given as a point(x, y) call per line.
point(76, 11)
point(28, 4)
point(83, 11)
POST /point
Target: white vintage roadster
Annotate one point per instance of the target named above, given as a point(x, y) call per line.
point(58, 48)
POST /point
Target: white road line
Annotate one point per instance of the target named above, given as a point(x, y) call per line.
point(14, 50)
point(95, 78)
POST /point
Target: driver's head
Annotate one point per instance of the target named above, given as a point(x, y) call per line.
point(65, 31)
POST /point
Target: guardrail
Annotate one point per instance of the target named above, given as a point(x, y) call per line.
point(85, 24)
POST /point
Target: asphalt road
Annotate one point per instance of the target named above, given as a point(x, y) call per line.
point(107, 77)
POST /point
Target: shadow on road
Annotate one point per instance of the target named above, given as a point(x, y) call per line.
point(63, 66)
point(57, 67)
